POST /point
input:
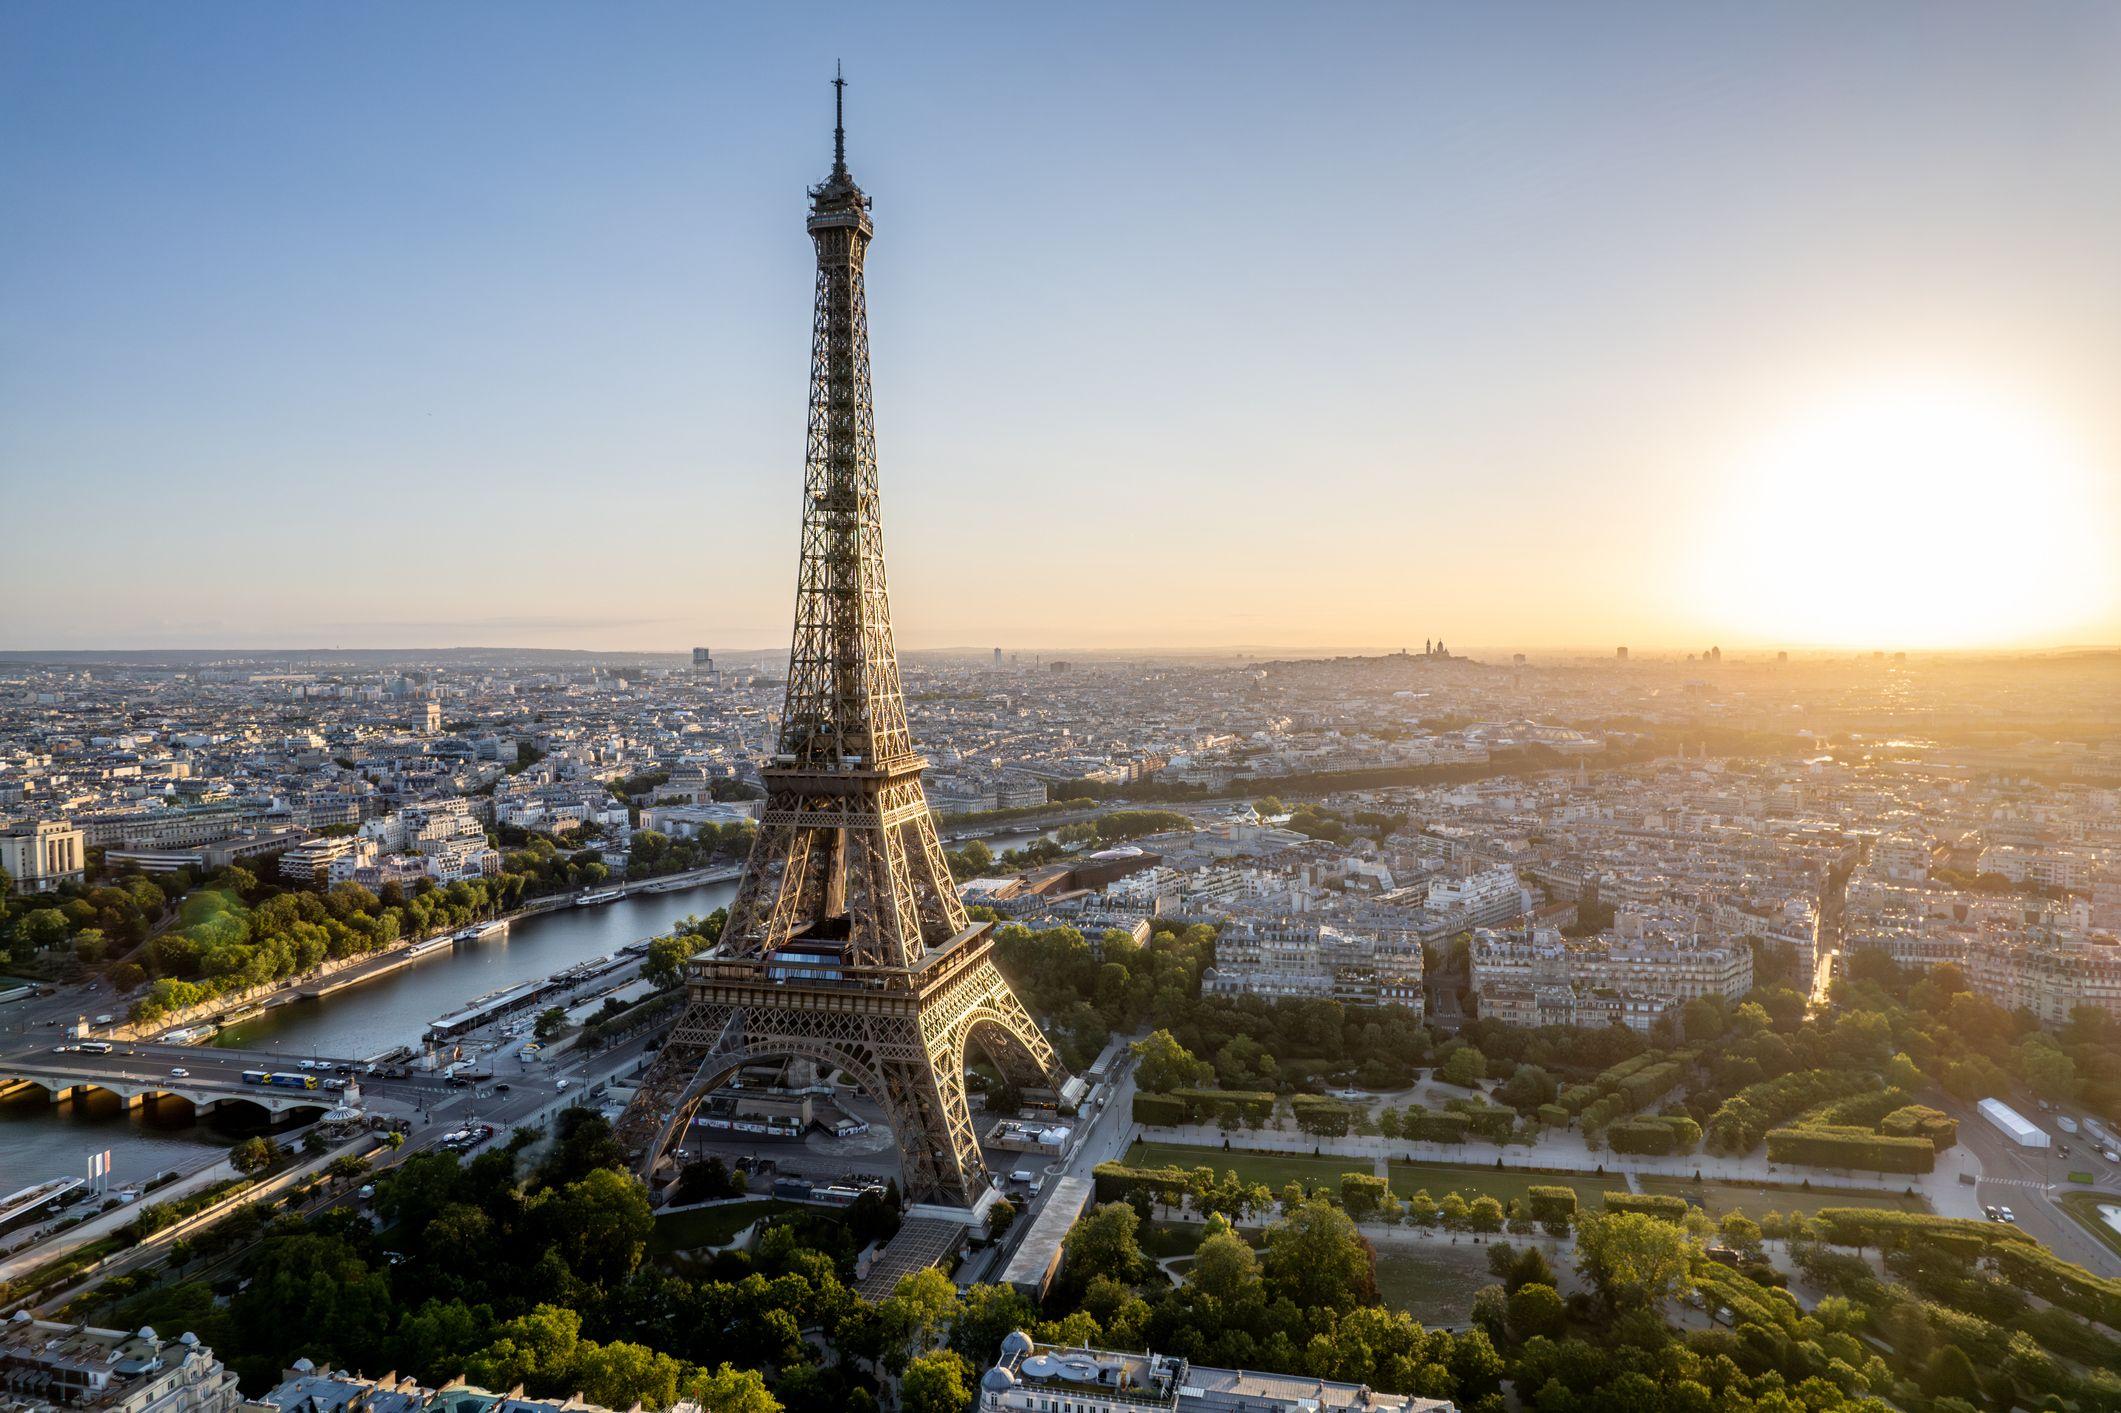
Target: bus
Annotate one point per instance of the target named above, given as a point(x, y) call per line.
point(292, 1081)
point(255, 1076)
point(96, 1047)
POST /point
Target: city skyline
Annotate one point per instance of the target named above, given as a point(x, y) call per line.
point(1475, 348)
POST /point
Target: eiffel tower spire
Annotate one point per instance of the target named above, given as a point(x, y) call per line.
point(846, 944)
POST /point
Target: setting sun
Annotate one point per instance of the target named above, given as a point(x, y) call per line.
point(1915, 516)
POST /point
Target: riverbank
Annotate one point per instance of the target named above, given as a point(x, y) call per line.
point(339, 974)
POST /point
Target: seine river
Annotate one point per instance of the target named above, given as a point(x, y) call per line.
point(39, 1140)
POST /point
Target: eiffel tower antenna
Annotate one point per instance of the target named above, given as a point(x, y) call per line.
point(846, 945)
point(839, 121)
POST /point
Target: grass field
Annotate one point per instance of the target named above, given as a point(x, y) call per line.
point(2084, 1207)
point(1718, 1198)
point(1274, 1169)
point(1505, 1185)
point(1434, 1284)
point(709, 1226)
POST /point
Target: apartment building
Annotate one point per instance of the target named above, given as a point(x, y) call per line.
point(48, 1367)
point(1298, 956)
point(2049, 975)
point(1043, 1378)
point(1665, 967)
point(1485, 899)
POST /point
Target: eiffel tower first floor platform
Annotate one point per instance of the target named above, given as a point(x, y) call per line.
point(900, 1036)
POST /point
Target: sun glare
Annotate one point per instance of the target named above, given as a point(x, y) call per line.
point(1915, 517)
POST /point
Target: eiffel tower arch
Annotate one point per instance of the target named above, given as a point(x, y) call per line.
point(846, 944)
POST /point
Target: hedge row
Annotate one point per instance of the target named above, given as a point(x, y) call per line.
point(1921, 1121)
point(1317, 1114)
point(1651, 1136)
point(1433, 1127)
point(1550, 1203)
point(1650, 1204)
point(1113, 1181)
point(1158, 1110)
point(1851, 1148)
point(2018, 1258)
point(1206, 1105)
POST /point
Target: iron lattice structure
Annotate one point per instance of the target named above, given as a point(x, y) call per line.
point(846, 944)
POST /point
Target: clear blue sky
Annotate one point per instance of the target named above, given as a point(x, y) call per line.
point(396, 324)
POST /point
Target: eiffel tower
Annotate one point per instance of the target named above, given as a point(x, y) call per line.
point(846, 944)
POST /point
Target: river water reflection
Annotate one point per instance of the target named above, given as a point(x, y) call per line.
point(39, 1140)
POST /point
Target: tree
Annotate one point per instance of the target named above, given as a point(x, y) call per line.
point(985, 1316)
point(1164, 1064)
point(1104, 1243)
point(254, 1154)
point(1535, 1310)
point(1317, 1258)
point(733, 1390)
point(1465, 1067)
point(40, 928)
point(551, 1021)
point(913, 1315)
point(1634, 1261)
point(1741, 1233)
point(999, 1217)
point(664, 966)
point(600, 1225)
point(935, 1383)
point(1362, 1194)
point(1527, 1088)
point(1225, 1267)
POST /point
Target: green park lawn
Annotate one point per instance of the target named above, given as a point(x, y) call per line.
point(2084, 1208)
point(1276, 1170)
point(709, 1226)
point(208, 904)
point(1717, 1198)
point(1433, 1283)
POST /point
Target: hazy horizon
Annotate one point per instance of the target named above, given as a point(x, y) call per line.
point(1537, 327)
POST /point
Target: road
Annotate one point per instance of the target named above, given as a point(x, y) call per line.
point(2027, 1180)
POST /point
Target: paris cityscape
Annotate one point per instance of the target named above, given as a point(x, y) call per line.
point(1285, 910)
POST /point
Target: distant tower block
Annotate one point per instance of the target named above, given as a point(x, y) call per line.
point(704, 672)
point(1620, 654)
point(997, 659)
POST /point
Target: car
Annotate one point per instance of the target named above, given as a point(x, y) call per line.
point(500, 1089)
point(334, 1083)
point(456, 1081)
point(179, 1072)
point(1991, 1213)
point(307, 1064)
point(61, 1049)
point(532, 1048)
point(2007, 1214)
